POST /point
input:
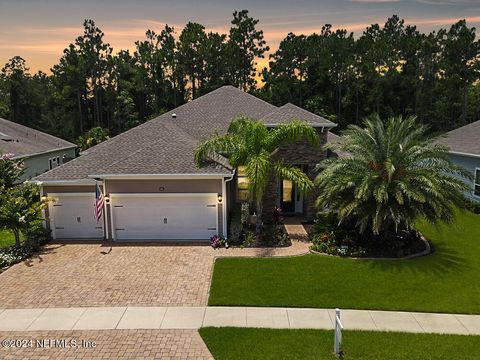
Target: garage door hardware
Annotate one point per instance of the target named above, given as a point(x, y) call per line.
point(211, 205)
point(59, 228)
point(119, 229)
point(211, 228)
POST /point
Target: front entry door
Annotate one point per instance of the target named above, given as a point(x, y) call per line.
point(287, 196)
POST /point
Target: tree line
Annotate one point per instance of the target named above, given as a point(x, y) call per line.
point(391, 69)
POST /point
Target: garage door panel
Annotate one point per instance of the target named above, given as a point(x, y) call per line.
point(72, 217)
point(164, 217)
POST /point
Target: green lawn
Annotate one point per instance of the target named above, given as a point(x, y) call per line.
point(244, 343)
point(6, 238)
point(446, 281)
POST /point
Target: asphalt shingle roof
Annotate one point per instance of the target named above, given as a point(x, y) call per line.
point(22, 141)
point(464, 140)
point(167, 144)
point(289, 112)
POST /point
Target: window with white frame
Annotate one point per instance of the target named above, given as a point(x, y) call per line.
point(476, 183)
point(53, 162)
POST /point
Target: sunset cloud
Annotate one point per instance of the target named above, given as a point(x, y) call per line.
point(41, 38)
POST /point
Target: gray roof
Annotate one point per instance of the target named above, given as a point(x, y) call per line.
point(289, 112)
point(464, 140)
point(22, 141)
point(335, 141)
point(167, 144)
point(214, 111)
point(155, 147)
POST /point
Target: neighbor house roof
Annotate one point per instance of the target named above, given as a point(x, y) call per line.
point(289, 112)
point(23, 141)
point(167, 144)
point(464, 140)
point(335, 142)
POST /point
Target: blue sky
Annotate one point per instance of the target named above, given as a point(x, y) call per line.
point(39, 30)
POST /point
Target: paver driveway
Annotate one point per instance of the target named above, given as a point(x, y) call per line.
point(65, 275)
point(110, 344)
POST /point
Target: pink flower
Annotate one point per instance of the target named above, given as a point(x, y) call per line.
point(7, 157)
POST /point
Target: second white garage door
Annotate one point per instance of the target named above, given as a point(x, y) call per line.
point(164, 216)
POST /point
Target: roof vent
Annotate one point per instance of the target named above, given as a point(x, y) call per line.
point(174, 115)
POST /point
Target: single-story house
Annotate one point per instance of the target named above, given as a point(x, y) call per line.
point(464, 149)
point(39, 151)
point(152, 188)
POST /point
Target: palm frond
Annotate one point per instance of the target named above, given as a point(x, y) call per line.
point(289, 172)
point(292, 131)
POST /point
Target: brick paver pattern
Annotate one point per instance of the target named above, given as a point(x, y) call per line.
point(111, 344)
point(84, 274)
point(298, 235)
point(80, 275)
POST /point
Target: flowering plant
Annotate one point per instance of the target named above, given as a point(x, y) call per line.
point(218, 242)
point(277, 214)
point(10, 171)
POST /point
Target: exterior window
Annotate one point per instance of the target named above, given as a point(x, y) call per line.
point(287, 190)
point(53, 162)
point(242, 184)
point(476, 183)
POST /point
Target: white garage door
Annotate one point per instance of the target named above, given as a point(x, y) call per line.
point(72, 216)
point(164, 216)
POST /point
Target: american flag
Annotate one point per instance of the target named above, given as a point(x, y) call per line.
point(98, 202)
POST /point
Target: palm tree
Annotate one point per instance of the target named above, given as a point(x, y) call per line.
point(251, 144)
point(394, 174)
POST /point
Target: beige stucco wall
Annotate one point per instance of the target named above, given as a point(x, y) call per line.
point(68, 189)
point(147, 186)
point(164, 186)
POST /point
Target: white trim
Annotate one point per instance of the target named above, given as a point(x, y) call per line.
point(92, 194)
point(105, 212)
point(117, 195)
point(464, 154)
point(158, 176)
point(224, 210)
point(474, 183)
point(44, 222)
point(77, 182)
point(162, 195)
point(225, 204)
point(44, 152)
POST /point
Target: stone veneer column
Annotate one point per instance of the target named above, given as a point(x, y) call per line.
point(298, 153)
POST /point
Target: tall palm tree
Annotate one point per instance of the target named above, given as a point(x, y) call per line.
point(251, 144)
point(394, 174)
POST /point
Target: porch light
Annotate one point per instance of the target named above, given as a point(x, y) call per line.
point(220, 198)
point(107, 199)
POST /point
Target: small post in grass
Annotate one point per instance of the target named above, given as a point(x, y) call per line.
point(338, 333)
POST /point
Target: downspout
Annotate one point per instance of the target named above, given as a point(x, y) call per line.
point(225, 205)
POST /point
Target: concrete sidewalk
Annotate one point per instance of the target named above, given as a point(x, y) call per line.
point(103, 318)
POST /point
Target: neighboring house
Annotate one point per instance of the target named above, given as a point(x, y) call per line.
point(464, 144)
point(39, 151)
point(153, 189)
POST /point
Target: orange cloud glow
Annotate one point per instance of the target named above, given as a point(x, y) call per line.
point(43, 46)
